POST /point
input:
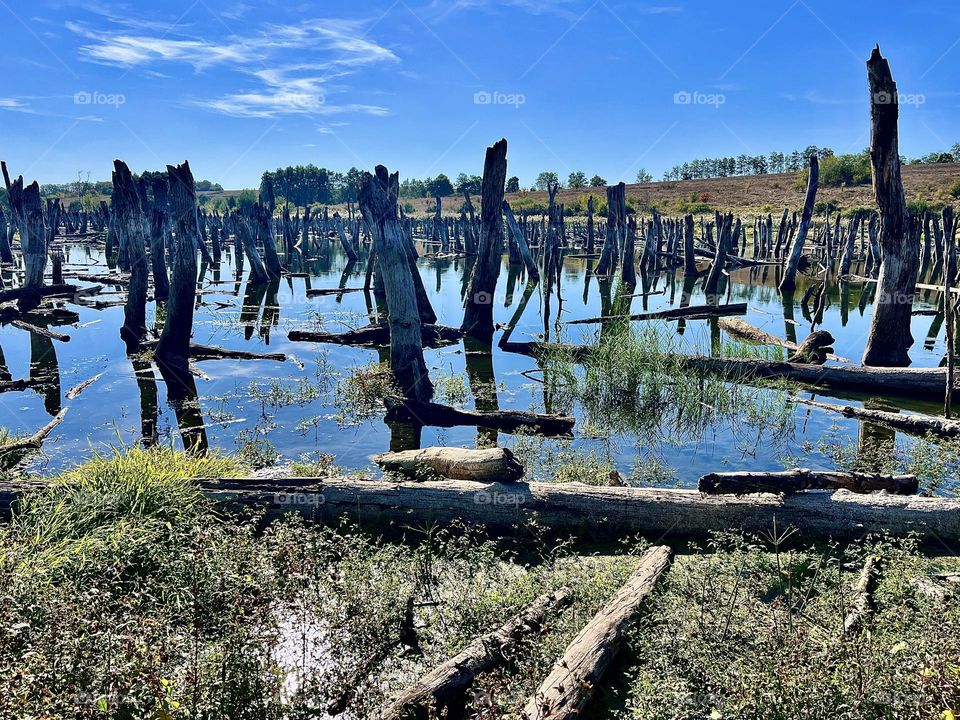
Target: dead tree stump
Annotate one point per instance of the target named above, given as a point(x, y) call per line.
point(377, 197)
point(478, 305)
point(130, 226)
point(889, 338)
point(173, 349)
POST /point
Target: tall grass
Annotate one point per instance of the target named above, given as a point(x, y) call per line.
point(633, 381)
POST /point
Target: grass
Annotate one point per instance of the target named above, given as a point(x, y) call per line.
point(633, 381)
point(127, 595)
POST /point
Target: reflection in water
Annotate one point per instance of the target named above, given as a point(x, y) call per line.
point(483, 385)
point(147, 385)
point(183, 399)
point(45, 368)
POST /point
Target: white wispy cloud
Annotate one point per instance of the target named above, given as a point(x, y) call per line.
point(279, 70)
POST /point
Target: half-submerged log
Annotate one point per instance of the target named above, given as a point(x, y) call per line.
point(905, 422)
point(377, 197)
point(444, 686)
point(173, 348)
point(575, 676)
point(33, 442)
point(378, 336)
point(742, 330)
point(889, 338)
point(509, 421)
point(813, 350)
point(691, 312)
point(488, 465)
point(799, 479)
point(478, 304)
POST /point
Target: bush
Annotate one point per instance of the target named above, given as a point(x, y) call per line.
point(955, 189)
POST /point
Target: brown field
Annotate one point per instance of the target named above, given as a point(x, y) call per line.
point(753, 193)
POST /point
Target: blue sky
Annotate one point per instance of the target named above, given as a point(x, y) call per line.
point(423, 86)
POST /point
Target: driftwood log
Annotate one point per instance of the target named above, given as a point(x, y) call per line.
point(798, 479)
point(488, 465)
point(575, 676)
point(860, 608)
point(600, 513)
point(902, 382)
point(34, 441)
point(378, 336)
point(445, 685)
point(742, 330)
point(692, 312)
point(509, 421)
point(905, 422)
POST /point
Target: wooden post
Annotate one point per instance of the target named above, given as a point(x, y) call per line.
point(724, 241)
point(789, 281)
point(889, 338)
point(478, 305)
point(591, 233)
point(173, 348)
point(130, 225)
point(377, 197)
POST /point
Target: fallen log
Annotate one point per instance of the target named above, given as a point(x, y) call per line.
point(34, 441)
point(323, 292)
point(444, 685)
point(742, 330)
point(489, 465)
point(75, 391)
point(116, 280)
point(903, 382)
point(692, 312)
point(799, 479)
point(813, 350)
point(905, 422)
point(574, 677)
point(22, 384)
point(378, 336)
point(212, 352)
point(509, 421)
point(35, 293)
point(862, 598)
point(598, 512)
point(45, 332)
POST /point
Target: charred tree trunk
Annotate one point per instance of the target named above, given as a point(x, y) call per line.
point(27, 210)
point(478, 306)
point(131, 230)
point(514, 229)
point(159, 232)
point(378, 203)
point(173, 348)
point(689, 258)
point(889, 338)
point(611, 235)
point(789, 281)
